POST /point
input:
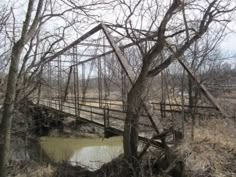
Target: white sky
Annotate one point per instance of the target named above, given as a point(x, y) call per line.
point(228, 45)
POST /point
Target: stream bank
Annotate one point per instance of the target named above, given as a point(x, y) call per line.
point(73, 147)
point(57, 131)
point(43, 136)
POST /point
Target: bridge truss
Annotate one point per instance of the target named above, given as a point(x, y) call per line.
point(91, 79)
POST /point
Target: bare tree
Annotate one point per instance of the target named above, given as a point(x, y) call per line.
point(38, 47)
point(4, 16)
point(175, 35)
point(28, 31)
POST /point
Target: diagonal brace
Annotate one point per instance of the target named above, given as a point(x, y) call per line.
point(203, 88)
point(127, 68)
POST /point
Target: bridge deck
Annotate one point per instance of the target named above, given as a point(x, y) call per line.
point(95, 114)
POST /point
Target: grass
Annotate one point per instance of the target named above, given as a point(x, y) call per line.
point(213, 151)
point(35, 170)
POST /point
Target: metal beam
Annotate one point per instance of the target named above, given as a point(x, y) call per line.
point(67, 85)
point(129, 72)
point(122, 60)
point(79, 54)
point(133, 29)
point(121, 47)
point(203, 88)
point(94, 45)
point(82, 38)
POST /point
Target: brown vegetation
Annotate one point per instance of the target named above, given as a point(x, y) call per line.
point(213, 151)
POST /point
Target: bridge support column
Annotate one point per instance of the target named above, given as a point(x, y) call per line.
point(163, 109)
point(106, 121)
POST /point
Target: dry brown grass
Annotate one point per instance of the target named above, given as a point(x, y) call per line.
point(213, 151)
point(36, 171)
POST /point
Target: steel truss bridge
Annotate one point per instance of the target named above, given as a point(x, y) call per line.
point(91, 77)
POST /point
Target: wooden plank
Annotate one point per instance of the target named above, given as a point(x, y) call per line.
point(152, 142)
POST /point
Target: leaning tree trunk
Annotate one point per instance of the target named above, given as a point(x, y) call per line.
point(191, 104)
point(135, 100)
point(8, 108)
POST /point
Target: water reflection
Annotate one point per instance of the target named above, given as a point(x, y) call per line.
point(94, 157)
point(86, 152)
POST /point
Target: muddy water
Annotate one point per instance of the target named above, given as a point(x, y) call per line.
point(87, 152)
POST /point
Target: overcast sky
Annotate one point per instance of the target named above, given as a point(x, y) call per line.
point(228, 45)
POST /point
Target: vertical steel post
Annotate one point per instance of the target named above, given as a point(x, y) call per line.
point(75, 81)
point(182, 103)
point(77, 78)
point(99, 82)
point(83, 83)
point(39, 93)
point(59, 83)
point(50, 84)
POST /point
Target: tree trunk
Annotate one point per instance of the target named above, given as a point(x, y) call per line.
point(135, 100)
point(8, 108)
point(190, 93)
point(192, 103)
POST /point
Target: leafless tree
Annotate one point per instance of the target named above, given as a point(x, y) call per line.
point(177, 25)
point(28, 31)
point(4, 16)
point(38, 47)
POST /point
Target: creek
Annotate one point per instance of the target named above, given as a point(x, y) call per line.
point(90, 153)
point(56, 138)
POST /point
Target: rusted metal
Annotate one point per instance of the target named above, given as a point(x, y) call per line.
point(67, 84)
point(130, 75)
point(122, 60)
point(82, 38)
point(203, 88)
point(77, 68)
